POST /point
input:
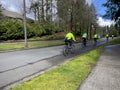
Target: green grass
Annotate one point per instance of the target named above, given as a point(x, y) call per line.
point(116, 41)
point(13, 46)
point(68, 76)
point(4, 47)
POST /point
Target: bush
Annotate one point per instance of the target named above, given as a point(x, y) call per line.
point(11, 29)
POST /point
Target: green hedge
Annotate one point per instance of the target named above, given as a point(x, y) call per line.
point(14, 29)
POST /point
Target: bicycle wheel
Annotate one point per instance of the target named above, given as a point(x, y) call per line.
point(83, 45)
point(95, 43)
point(65, 51)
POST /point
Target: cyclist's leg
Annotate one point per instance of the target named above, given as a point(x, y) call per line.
point(71, 47)
point(66, 43)
point(85, 42)
point(82, 42)
point(95, 41)
point(71, 43)
point(107, 38)
point(65, 49)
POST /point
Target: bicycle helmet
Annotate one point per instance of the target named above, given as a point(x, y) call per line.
point(70, 30)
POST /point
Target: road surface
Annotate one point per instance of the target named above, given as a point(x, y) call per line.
point(22, 65)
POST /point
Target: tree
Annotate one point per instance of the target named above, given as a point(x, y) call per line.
point(74, 14)
point(34, 8)
point(1, 11)
point(113, 12)
point(113, 31)
point(113, 9)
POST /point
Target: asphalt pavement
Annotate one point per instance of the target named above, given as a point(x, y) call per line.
point(19, 66)
point(106, 74)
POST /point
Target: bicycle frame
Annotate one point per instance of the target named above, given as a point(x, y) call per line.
point(68, 50)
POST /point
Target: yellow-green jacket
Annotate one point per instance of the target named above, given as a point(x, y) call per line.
point(84, 35)
point(95, 36)
point(107, 35)
point(70, 36)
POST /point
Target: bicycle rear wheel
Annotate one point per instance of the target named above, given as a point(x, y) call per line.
point(95, 43)
point(65, 51)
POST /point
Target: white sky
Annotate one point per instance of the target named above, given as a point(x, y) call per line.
point(103, 22)
point(16, 6)
point(12, 5)
point(89, 1)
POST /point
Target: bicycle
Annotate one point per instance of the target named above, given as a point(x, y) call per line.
point(107, 39)
point(68, 49)
point(95, 42)
point(83, 42)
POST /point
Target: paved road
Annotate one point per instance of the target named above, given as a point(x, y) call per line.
point(19, 66)
point(106, 74)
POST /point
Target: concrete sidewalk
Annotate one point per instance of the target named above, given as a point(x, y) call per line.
point(106, 74)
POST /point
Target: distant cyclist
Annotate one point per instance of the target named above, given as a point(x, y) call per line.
point(107, 36)
point(84, 38)
point(95, 37)
point(112, 36)
point(69, 38)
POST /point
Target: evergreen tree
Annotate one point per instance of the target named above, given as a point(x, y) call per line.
point(113, 9)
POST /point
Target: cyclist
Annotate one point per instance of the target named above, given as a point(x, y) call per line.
point(69, 38)
point(107, 36)
point(95, 37)
point(84, 37)
point(112, 36)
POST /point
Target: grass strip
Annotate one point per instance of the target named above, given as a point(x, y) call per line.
point(13, 46)
point(116, 41)
point(67, 76)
